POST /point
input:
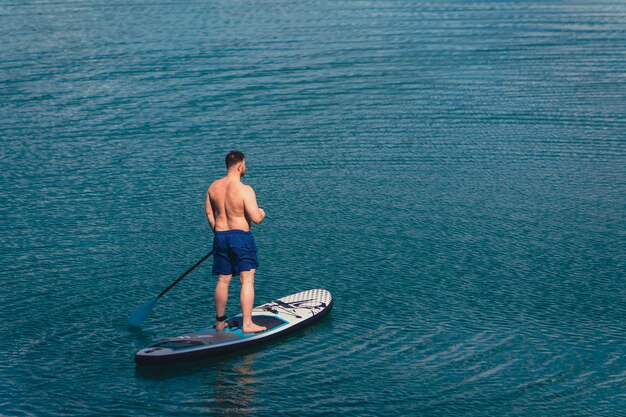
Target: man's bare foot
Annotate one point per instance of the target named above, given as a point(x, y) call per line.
point(220, 325)
point(253, 328)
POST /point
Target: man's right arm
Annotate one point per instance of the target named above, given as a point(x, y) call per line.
point(253, 212)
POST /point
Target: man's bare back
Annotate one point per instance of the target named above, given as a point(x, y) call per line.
point(230, 207)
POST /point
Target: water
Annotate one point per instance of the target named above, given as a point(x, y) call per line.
point(453, 172)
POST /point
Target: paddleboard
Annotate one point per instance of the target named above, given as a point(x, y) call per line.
point(281, 316)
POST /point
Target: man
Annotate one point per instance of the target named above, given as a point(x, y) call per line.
point(230, 207)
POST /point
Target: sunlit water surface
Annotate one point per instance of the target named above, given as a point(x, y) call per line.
point(453, 172)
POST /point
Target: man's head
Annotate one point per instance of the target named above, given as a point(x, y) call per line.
point(236, 160)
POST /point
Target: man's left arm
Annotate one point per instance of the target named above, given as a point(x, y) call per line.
point(209, 211)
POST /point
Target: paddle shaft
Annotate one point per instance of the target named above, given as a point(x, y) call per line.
point(185, 274)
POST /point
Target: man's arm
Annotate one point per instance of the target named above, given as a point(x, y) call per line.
point(253, 212)
point(209, 211)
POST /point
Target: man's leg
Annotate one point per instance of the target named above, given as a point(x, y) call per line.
point(247, 300)
point(221, 297)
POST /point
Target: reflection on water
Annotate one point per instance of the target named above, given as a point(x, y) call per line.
point(229, 386)
point(235, 387)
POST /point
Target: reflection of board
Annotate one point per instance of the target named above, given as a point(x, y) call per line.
point(280, 316)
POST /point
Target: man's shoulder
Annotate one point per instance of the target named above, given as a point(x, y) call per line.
point(246, 188)
point(217, 182)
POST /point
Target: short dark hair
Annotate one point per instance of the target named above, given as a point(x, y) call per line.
point(233, 158)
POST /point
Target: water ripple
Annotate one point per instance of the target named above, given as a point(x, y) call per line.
point(452, 172)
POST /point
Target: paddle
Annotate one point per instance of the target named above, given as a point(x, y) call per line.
point(142, 312)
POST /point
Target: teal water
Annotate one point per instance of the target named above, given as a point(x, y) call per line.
point(453, 172)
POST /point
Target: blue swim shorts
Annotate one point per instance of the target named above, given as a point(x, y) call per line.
point(233, 251)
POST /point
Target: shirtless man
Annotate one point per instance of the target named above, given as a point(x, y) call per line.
point(230, 207)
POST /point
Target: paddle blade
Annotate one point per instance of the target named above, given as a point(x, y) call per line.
point(141, 313)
